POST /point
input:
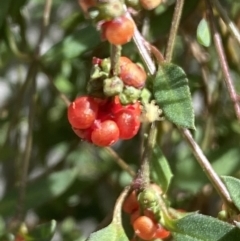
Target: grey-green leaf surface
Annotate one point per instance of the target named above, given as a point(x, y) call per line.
point(233, 186)
point(197, 227)
point(172, 94)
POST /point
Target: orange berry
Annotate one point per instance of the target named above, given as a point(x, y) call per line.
point(161, 232)
point(131, 203)
point(145, 228)
point(119, 31)
point(133, 75)
point(150, 4)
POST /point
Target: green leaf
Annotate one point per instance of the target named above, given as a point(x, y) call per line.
point(74, 45)
point(40, 192)
point(197, 227)
point(160, 169)
point(43, 232)
point(5, 5)
point(233, 186)
point(113, 232)
point(203, 33)
point(172, 94)
point(7, 237)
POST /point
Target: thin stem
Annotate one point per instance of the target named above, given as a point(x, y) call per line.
point(223, 62)
point(120, 162)
point(207, 168)
point(27, 152)
point(174, 28)
point(203, 161)
point(115, 55)
point(139, 42)
point(232, 27)
point(144, 173)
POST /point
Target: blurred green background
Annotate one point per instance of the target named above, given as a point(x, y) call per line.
point(74, 182)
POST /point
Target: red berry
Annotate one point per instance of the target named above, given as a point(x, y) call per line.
point(128, 123)
point(119, 31)
point(161, 232)
point(131, 203)
point(134, 216)
point(105, 134)
point(145, 228)
point(133, 75)
point(82, 112)
point(84, 134)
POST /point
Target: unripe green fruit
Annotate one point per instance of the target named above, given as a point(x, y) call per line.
point(129, 95)
point(112, 86)
point(148, 198)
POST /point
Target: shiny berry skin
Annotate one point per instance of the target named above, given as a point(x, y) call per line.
point(82, 112)
point(123, 60)
point(105, 134)
point(145, 228)
point(119, 31)
point(128, 123)
point(133, 75)
point(161, 232)
point(130, 204)
point(84, 134)
point(150, 4)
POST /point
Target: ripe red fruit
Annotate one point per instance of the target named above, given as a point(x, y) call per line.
point(82, 112)
point(145, 228)
point(161, 232)
point(128, 123)
point(131, 203)
point(84, 134)
point(133, 75)
point(134, 216)
point(119, 31)
point(105, 134)
point(123, 60)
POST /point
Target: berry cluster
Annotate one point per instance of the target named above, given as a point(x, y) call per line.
point(103, 121)
point(143, 220)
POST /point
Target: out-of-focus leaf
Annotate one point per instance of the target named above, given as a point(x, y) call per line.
point(40, 192)
point(197, 227)
point(113, 232)
point(233, 186)
point(172, 94)
point(7, 237)
point(43, 232)
point(4, 10)
point(203, 33)
point(74, 45)
point(160, 169)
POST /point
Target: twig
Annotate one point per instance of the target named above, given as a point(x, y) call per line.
point(115, 55)
point(33, 69)
point(232, 27)
point(173, 32)
point(139, 42)
point(120, 161)
point(203, 161)
point(27, 152)
point(223, 62)
point(207, 168)
point(144, 173)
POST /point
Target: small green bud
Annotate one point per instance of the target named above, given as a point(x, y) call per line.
point(112, 86)
point(110, 9)
point(106, 65)
point(148, 198)
point(129, 95)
